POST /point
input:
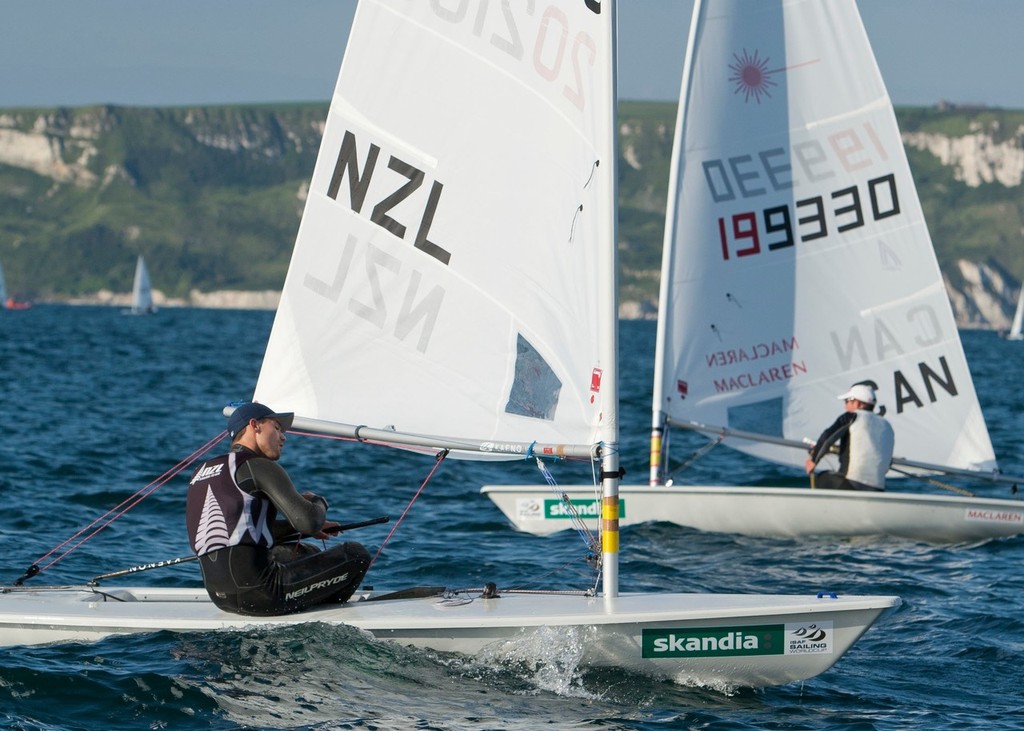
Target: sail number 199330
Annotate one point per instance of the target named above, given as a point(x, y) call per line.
point(777, 227)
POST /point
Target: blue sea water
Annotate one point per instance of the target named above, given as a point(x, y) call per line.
point(97, 405)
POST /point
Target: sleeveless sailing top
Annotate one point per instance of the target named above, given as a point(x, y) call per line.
point(219, 513)
point(871, 444)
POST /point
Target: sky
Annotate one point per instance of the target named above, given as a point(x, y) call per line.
point(199, 52)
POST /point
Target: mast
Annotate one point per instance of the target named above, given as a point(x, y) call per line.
point(610, 323)
point(658, 415)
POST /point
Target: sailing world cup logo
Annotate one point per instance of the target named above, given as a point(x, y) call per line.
point(809, 638)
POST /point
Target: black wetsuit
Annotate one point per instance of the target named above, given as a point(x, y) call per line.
point(231, 513)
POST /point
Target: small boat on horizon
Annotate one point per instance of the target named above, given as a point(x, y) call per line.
point(7, 302)
point(1018, 319)
point(142, 290)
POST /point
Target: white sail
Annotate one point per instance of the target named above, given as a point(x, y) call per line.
point(446, 274)
point(797, 259)
point(142, 290)
point(1018, 318)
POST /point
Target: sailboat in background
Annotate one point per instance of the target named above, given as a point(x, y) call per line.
point(797, 262)
point(6, 302)
point(1018, 319)
point(414, 274)
point(142, 290)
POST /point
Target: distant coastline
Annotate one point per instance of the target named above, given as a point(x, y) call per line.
point(268, 300)
point(983, 299)
point(219, 300)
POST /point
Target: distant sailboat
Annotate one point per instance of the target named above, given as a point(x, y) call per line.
point(1018, 319)
point(9, 303)
point(142, 290)
point(797, 261)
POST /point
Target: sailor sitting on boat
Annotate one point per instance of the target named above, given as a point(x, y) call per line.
point(865, 444)
point(232, 512)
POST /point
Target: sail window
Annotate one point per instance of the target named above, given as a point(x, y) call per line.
point(536, 387)
point(763, 417)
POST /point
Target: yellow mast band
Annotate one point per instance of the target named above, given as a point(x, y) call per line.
point(610, 524)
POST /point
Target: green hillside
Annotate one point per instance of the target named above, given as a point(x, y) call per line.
point(212, 195)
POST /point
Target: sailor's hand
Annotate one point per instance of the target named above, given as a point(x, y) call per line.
point(314, 498)
point(809, 465)
point(329, 529)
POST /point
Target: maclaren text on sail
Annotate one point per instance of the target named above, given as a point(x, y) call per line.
point(756, 352)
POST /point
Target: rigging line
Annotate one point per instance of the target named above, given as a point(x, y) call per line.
point(532, 592)
point(131, 501)
point(932, 481)
point(588, 538)
point(711, 444)
point(125, 505)
point(438, 459)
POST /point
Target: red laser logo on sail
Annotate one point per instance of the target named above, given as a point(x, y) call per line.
point(752, 76)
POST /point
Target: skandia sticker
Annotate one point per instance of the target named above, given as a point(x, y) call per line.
point(555, 509)
point(792, 638)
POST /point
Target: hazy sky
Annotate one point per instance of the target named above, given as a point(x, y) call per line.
point(179, 52)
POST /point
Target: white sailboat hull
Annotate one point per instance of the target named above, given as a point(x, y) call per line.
point(774, 511)
point(610, 632)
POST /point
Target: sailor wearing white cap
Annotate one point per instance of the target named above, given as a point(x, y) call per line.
point(865, 444)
